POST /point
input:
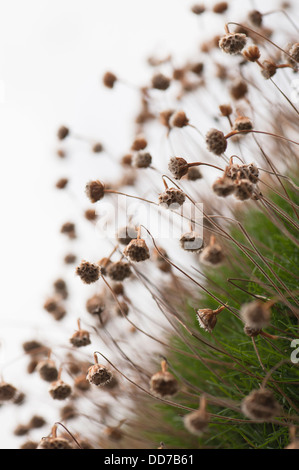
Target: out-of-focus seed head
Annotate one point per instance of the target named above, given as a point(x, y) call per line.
point(114, 433)
point(109, 79)
point(99, 375)
point(81, 383)
point(80, 338)
point(164, 385)
point(243, 189)
point(60, 390)
point(179, 119)
point(90, 214)
point(216, 141)
point(255, 17)
point(253, 173)
point(63, 132)
point(119, 270)
point(54, 443)
point(160, 262)
point(223, 186)
point(269, 69)
point(212, 254)
point(172, 196)
point(88, 272)
point(69, 229)
point(36, 422)
point(29, 445)
point(243, 123)
point(165, 117)
point(197, 68)
point(238, 90)
point(160, 82)
point(220, 7)
point(233, 43)
point(126, 234)
point(194, 174)
point(122, 309)
point(178, 167)
point(252, 332)
point(260, 405)
point(252, 53)
point(70, 258)
point(137, 250)
point(198, 9)
point(127, 159)
point(95, 190)
point(32, 346)
point(142, 160)
point(7, 391)
point(196, 422)
point(139, 143)
point(47, 370)
point(294, 51)
point(225, 109)
point(61, 183)
point(97, 147)
point(191, 241)
point(256, 314)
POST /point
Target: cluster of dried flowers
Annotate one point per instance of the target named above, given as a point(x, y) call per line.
point(138, 286)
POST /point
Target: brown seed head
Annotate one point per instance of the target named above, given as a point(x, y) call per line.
point(160, 82)
point(212, 254)
point(198, 9)
point(225, 109)
point(243, 189)
point(172, 196)
point(164, 385)
point(252, 53)
point(59, 390)
point(81, 383)
point(294, 51)
point(95, 190)
point(233, 43)
point(126, 234)
point(142, 160)
point(165, 117)
point(36, 422)
point(97, 147)
point(47, 370)
point(238, 90)
point(216, 141)
point(139, 143)
point(194, 174)
point(243, 123)
point(269, 69)
point(62, 183)
point(191, 241)
point(80, 338)
point(7, 391)
point(127, 159)
point(252, 332)
point(179, 119)
point(109, 79)
point(178, 167)
point(98, 375)
point(220, 7)
point(63, 132)
point(70, 258)
point(119, 271)
point(95, 305)
point(256, 314)
point(55, 443)
point(260, 405)
point(137, 250)
point(69, 229)
point(255, 17)
point(223, 186)
point(196, 422)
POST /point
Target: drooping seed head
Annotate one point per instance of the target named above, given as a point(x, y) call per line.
point(172, 196)
point(196, 422)
point(206, 319)
point(212, 255)
point(233, 43)
point(260, 405)
point(7, 391)
point(118, 271)
point(243, 123)
point(80, 338)
point(47, 370)
point(194, 174)
point(269, 69)
point(95, 305)
point(137, 250)
point(191, 241)
point(238, 90)
point(60, 390)
point(55, 443)
point(164, 385)
point(255, 17)
point(252, 332)
point(179, 119)
point(178, 167)
point(243, 189)
point(216, 141)
point(88, 272)
point(256, 314)
point(95, 190)
point(142, 160)
point(223, 186)
point(99, 375)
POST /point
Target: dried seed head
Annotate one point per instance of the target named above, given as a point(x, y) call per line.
point(126, 234)
point(95, 190)
point(55, 443)
point(61, 153)
point(114, 433)
point(178, 167)
point(252, 53)
point(90, 214)
point(223, 186)
point(172, 196)
point(294, 51)
point(139, 143)
point(260, 405)
point(60, 287)
point(197, 68)
point(238, 90)
point(98, 375)
point(97, 147)
point(255, 17)
point(81, 383)
point(216, 141)
point(21, 430)
point(220, 7)
point(163, 384)
point(69, 229)
point(47, 370)
point(36, 422)
point(119, 271)
point(63, 132)
point(160, 82)
point(243, 189)
point(7, 391)
point(165, 117)
point(68, 412)
point(127, 160)
point(252, 332)
point(191, 241)
point(142, 160)
point(31, 347)
point(88, 272)
point(233, 43)
point(137, 250)
point(80, 338)
point(212, 254)
point(160, 261)
point(198, 9)
point(29, 445)
point(179, 119)
point(242, 123)
point(207, 319)
point(269, 69)
point(236, 172)
point(256, 314)
point(60, 390)
point(51, 304)
point(70, 258)
point(194, 174)
point(122, 309)
point(196, 422)
point(109, 79)
point(225, 109)
point(253, 173)
point(62, 183)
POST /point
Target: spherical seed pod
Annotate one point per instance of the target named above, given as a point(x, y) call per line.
point(109, 79)
point(178, 167)
point(161, 263)
point(236, 172)
point(243, 189)
point(90, 214)
point(269, 69)
point(98, 375)
point(160, 82)
point(242, 123)
point(223, 187)
point(255, 17)
point(119, 271)
point(61, 183)
point(198, 9)
point(21, 430)
point(142, 160)
point(220, 7)
point(97, 147)
point(233, 43)
point(253, 173)
point(163, 384)
point(172, 196)
point(88, 272)
point(47, 370)
point(68, 412)
point(256, 314)
point(252, 53)
point(126, 234)
point(252, 332)
point(69, 229)
point(139, 143)
point(238, 90)
point(55, 443)
point(95, 191)
point(63, 132)
point(60, 390)
point(193, 174)
point(178, 119)
point(70, 258)
point(137, 250)
point(36, 422)
point(197, 422)
point(81, 383)
point(29, 445)
point(95, 305)
point(33, 346)
point(225, 110)
point(80, 338)
point(122, 309)
point(212, 254)
point(191, 241)
point(260, 405)
point(216, 141)
point(7, 391)
point(207, 318)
